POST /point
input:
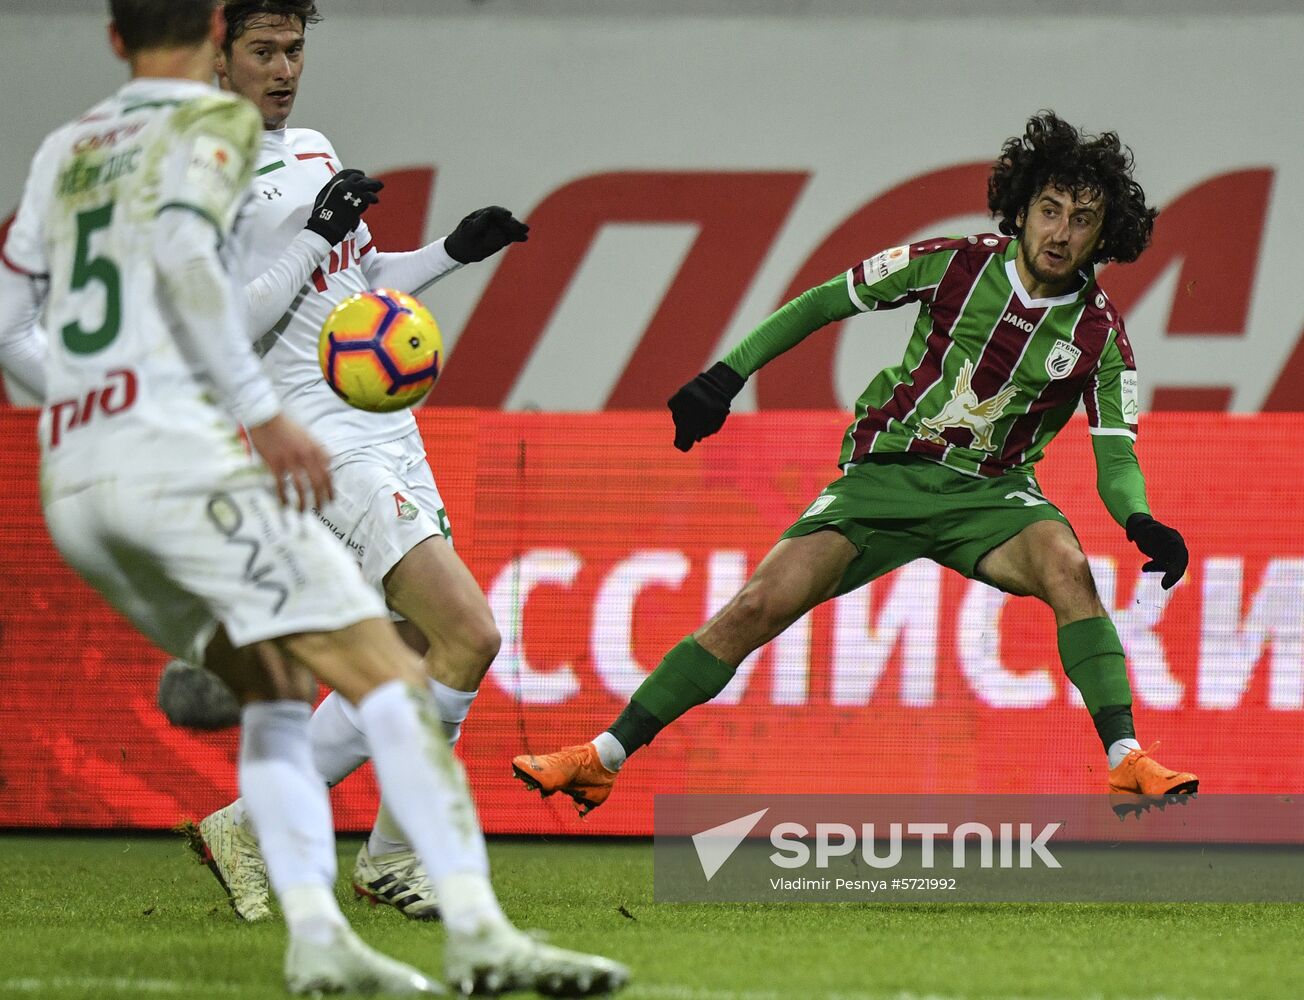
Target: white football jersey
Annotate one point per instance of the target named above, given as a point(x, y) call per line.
point(121, 392)
point(293, 165)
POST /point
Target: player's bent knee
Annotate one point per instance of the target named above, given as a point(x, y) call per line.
point(759, 611)
point(1066, 577)
point(485, 642)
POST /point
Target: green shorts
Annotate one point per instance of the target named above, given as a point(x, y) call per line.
point(898, 508)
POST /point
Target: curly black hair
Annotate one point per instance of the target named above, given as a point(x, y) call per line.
point(240, 12)
point(1051, 151)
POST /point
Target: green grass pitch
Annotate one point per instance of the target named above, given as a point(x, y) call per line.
point(118, 916)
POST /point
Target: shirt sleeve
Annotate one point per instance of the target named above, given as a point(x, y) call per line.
point(1119, 481)
point(1111, 397)
point(24, 277)
point(209, 171)
point(1113, 409)
point(23, 345)
point(897, 276)
point(205, 182)
point(412, 272)
point(24, 246)
point(887, 280)
point(270, 295)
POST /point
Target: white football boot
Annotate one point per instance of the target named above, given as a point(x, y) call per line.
point(347, 965)
point(397, 879)
point(231, 852)
point(499, 959)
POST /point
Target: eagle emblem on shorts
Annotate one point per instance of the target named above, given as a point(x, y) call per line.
point(405, 508)
point(965, 409)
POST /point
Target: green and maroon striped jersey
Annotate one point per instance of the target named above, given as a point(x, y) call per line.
point(990, 375)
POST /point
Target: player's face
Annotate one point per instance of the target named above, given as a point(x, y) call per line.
point(264, 65)
point(1060, 236)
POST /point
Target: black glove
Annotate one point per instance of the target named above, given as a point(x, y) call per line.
point(340, 204)
point(1162, 544)
point(700, 406)
point(483, 233)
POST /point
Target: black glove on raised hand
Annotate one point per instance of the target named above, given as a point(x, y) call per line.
point(700, 406)
point(483, 233)
point(1164, 546)
point(340, 204)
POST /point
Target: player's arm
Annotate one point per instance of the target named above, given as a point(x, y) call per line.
point(22, 341)
point(885, 281)
point(203, 185)
point(480, 235)
point(24, 280)
point(336, 212)
point(1113, 408)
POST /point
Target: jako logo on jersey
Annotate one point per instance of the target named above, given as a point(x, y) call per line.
point(1026, 325)
point(115, 396)
point(406, 509)
point(1062, 359)
point(965, 410)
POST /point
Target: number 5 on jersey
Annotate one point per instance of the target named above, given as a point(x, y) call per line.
point(87, 269)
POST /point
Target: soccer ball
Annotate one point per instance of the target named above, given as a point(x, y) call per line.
point(380, 351)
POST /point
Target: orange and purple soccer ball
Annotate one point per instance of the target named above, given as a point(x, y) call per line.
point(380, 351)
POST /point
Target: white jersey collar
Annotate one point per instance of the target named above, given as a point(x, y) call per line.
point(149, 87)
point(1028, 302)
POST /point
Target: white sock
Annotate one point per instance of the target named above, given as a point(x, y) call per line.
point(610, 752)
point(241, 815)
point(1119, 749)
point(387, 836)
point(425, 788)
point(338, 746)
point(287, 802)
point(453, 707)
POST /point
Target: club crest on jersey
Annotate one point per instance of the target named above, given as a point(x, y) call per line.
point(965, 409)
point(405, 508)
point(1062, 359)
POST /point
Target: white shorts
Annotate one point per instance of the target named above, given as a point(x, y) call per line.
point(385, 505)
point(176, 558)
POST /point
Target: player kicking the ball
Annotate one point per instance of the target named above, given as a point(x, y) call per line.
point(119, 246)
point(1012, 335)
point(308, 250)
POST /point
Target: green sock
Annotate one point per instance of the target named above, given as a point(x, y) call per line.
point(687, 676)
point(1093, 660)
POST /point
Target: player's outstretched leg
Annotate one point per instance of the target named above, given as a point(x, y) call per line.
point(689, 675)
point(801, 571)
point(1045, 560)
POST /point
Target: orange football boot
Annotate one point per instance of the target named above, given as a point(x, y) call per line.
point(1140, 782)
point(575, 771)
